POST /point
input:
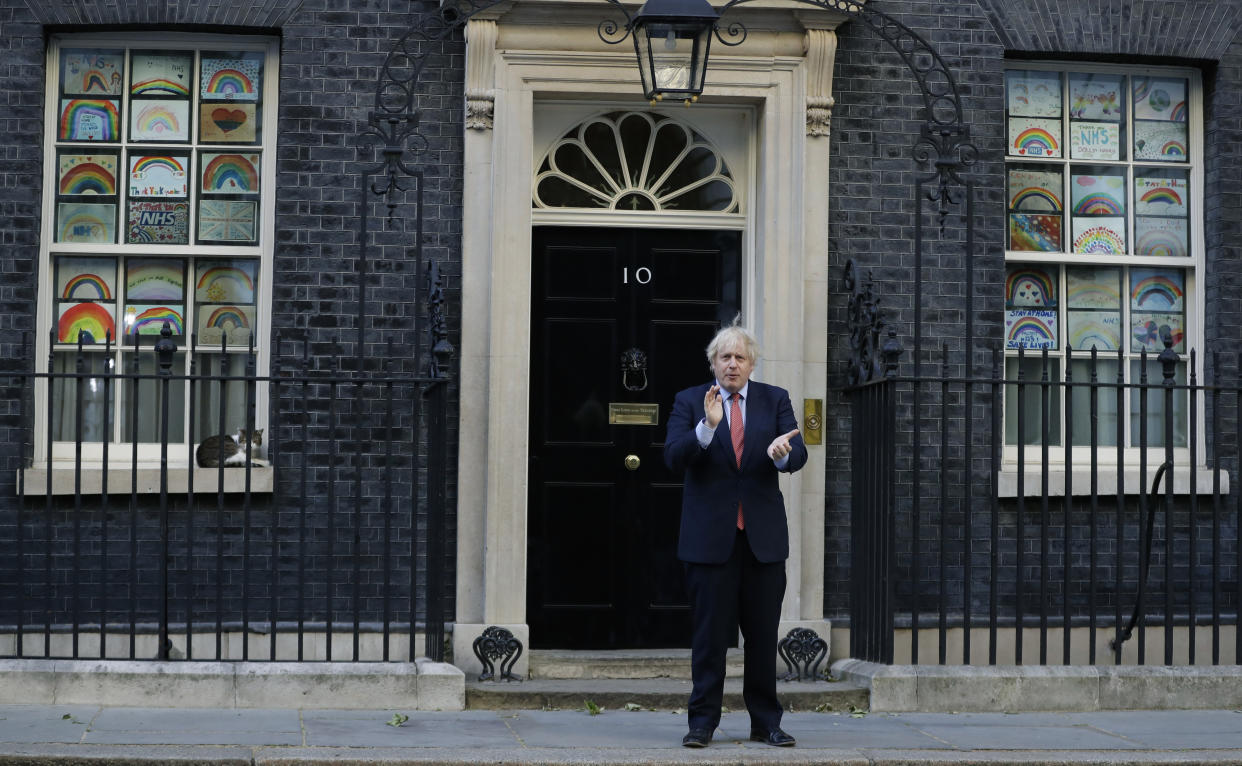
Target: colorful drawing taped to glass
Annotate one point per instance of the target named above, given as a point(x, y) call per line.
point(225, 282)
point(89, 119)
point(1040, 233)
point(1165, 141)
point(158, 175)
point(91, 72)
point(78, 222)
point(93, 320)
point(1161, 236)
point(1160, 196)
point(154, 280)
point(1160, 98)
point(149, 320)
point(232, 323)
point(89, 279)
point(1034, 138)
point(1030, 328)
point(1096, 97)
point(226, 123)
point(1091, 287)
point(232, 79)
point(1030, 287)
point(230, 173)
point(1034, 190)
point(159, 120)
point(1093, 329)
point(1095, 140)
point(1105, 236)
point(1033, 93)
point(163, 223)
point(226, 220)
point(160, 75)
point(87, 174)
point(1157, 289)
point(1097, 195)
point(1146, 329)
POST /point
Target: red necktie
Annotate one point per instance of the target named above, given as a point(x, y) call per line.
point(738, 431)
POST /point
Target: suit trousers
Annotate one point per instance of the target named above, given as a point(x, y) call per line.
point(740, 593)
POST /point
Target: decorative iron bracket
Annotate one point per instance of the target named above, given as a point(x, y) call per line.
point(871, 358)
point(493, 644)
point(802, 650)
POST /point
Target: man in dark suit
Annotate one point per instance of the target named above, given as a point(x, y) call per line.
point(731, 438)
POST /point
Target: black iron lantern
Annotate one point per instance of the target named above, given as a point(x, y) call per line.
point(672, 38)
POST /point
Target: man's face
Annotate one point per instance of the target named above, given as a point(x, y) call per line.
point(732, 367)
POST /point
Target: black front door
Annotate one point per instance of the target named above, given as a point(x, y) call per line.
point(603, 509)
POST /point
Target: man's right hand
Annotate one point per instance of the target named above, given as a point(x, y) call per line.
point(713, 407)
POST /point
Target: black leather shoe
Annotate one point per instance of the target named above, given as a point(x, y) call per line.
point(698, 738)
point(776, 738)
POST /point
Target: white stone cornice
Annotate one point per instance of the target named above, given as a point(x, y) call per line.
point(480, 73)
point(821, 53)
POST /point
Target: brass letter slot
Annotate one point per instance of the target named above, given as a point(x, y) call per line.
point(628, 414)
point(813, 421)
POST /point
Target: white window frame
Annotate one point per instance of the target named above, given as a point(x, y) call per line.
point(1193, 266)
point(120, 453)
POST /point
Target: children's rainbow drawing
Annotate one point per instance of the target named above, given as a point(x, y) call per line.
point(233, 79)
point(224, 283)
point(227, 318)
point(1097, 195)
point(1101, 329)
point(1093, 288)
point(89, 119)
point(230, 173)
point(1178, 112)
point(1030, 329)
point(1098, 239)
point(1040, 233)
point(1030, 288)
point(1155, 290)
point(141, 320)
point(1098, 204)
point(156, 75)
point(85, 223)
point(1160, 140)
point(228, 82)
point(1035, 198)
point(90, 286)
point(157, 176)
point(88, 178)
point(1159, 240)
point(92, 71)
point(1035, 142)
point(154, 281)
point(159, 86)
point(1161, 195)
point(94, 320)
point(159, 121)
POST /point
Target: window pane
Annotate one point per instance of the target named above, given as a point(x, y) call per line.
point(210, 396)
point(1106, 409)
point(1035, 207)
point(1093, 308)
point(94, 398)
point(1156, 406)
point(1097, 112)
point(1161, 225)
point(1034, 105)
point(1098, 207)
point(148, 400)
point(1160, 126)
point(1157, 306)
point(1030, 307)
point(1036, 402)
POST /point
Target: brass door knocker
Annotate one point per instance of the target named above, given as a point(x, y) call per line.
point(633, 363)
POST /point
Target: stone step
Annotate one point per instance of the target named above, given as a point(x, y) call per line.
point(565, 664)
point(668, 694)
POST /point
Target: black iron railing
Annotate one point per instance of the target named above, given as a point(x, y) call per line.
point(333, 531)
point(1101, 507)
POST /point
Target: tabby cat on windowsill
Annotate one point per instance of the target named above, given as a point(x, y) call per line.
point(230, 450)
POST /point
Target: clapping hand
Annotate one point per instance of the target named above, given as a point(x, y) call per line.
point(713, 407)
point(779, 447)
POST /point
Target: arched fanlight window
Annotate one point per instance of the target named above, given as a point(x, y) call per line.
point(635, 161)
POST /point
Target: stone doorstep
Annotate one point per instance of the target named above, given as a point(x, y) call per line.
point(565, 664)
point(423, 685)
point(1031, 688)
point(649, 693)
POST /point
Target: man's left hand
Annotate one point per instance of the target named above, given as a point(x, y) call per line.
point(779, 447)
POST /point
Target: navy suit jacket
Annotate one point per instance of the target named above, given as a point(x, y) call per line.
point(714, 484)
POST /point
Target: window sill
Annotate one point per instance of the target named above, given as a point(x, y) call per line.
point(147, 478)
point(1106, 481)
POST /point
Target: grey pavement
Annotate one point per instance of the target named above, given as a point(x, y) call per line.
point(48, 734)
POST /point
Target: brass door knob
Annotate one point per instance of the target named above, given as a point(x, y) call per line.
point(632, 462)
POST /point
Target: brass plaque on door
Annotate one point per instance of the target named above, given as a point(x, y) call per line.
point(630, 414)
